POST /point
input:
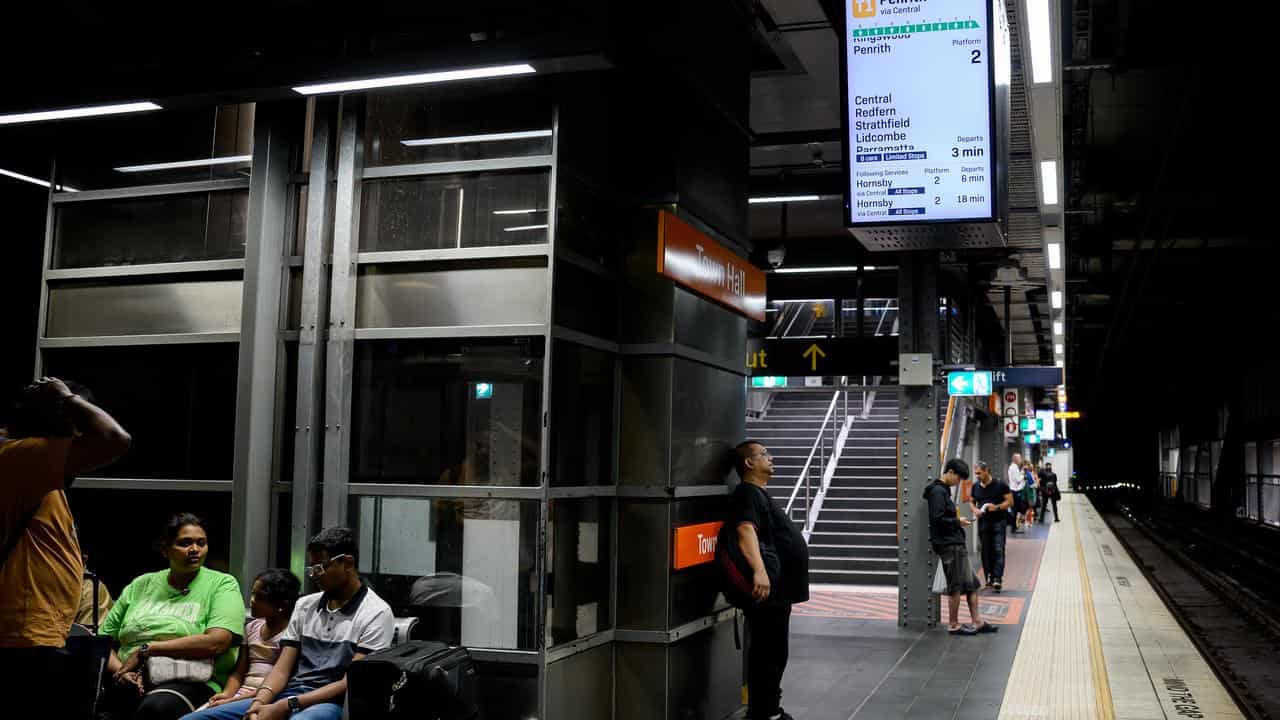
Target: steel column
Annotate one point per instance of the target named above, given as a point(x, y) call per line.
point(919, 443)
point(340, 347)
point(309, 413)
point(260, 342)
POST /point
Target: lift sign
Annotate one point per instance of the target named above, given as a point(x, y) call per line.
point(918, 110)
point(695, 544)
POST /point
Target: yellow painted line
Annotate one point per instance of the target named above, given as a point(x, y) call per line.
point(1101, 685)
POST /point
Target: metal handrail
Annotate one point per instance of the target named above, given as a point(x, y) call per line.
point(818, 449)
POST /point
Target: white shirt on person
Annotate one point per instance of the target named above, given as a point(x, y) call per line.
point(1016, 478)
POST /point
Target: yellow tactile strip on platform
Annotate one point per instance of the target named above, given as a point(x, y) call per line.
point(1099, 643)
point(1156, 671)
point(1052, 674)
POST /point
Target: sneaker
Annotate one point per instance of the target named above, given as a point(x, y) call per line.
point(963, 630)
point(997, 586)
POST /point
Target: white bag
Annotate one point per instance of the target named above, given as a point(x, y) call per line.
point(939, 580)
point(162, 670)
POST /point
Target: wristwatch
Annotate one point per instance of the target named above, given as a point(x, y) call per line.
point(144, 651)
point(294, 705)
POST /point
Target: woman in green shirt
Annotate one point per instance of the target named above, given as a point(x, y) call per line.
point(177, 631)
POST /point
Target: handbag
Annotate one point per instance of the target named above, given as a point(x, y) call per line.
point(162, 670)
point(939, 580)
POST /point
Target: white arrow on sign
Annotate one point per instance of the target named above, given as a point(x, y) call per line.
point(960, 382)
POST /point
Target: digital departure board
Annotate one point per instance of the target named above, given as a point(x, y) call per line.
point(919, 110)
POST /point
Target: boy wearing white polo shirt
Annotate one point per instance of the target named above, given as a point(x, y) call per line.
point(326, 633)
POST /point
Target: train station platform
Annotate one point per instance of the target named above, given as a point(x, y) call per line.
point(1082, 636)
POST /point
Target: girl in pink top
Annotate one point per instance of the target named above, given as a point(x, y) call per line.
point(271, 603)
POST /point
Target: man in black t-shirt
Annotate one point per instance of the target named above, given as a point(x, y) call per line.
point(764, 529)
point(991, 500)
point(1048, 493)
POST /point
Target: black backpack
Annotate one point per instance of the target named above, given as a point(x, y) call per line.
point(736, 575)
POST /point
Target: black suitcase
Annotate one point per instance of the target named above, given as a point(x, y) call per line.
point(416, 680)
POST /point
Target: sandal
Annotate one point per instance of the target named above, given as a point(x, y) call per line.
point(988, 628)
point(963, 630)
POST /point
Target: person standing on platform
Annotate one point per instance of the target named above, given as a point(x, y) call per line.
point(991, 501)
point(758, 519)
point(1016, 481)
point(946, 534)
point(1049, 492)
point(55, 434)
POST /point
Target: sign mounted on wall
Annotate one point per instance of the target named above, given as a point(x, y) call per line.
point(695, 544)
point(920, 103)
point(696, 262)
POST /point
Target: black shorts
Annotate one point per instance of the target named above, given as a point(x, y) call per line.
point(957, 568)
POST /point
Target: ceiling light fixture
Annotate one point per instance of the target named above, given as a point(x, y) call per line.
point(827, 269)
point(782, 199)
point(525, 227)
point(204, 162)
point(1055, 298)
point(416, 79)
point(33, 181)
point(1057, 328)
point(1055, 256)
point(1059, 349)
point(1038, 27)
point(488, 137)
point(518, 212)
point(68, 113)
point(1049, 181)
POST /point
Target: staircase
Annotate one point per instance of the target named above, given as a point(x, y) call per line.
point(855, 538)
point(788, 430)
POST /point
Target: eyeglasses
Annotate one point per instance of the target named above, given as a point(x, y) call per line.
point(319, 568)
point(762, 453)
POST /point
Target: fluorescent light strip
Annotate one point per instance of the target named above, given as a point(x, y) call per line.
point(525, 227)
point(1059, 349)
point(1049, 181)
point(416, 79)
point(1038, 27)
point(186, 164)
point(91, 111)
point(34, 181)
point(835, 268)
point(1057, 328)
point(490, 137)
point(782, 199)
point(1055, 256)
point(1055, 298)
point(518, 212)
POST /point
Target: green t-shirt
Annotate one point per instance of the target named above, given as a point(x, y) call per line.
point(150, 609)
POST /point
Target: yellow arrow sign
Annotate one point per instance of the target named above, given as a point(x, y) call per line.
point(813, 353)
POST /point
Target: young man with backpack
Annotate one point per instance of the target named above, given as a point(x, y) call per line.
point(769, 544)
point(1049, 493)
point(946, 533)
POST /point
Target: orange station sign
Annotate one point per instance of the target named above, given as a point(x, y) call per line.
point(692, 259)
point(695, 544)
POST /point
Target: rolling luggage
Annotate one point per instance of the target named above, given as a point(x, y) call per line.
point(418, 680)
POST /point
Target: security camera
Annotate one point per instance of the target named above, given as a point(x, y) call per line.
point(776, 256)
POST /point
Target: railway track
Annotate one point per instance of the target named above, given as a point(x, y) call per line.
point(1224, 593)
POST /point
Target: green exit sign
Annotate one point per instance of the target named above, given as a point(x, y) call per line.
point(484, 391)
point(1032, 425)
point(768, 381)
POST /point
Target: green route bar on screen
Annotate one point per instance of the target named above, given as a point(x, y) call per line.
point(920, 28)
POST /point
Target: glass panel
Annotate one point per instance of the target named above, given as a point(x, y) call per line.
point(447, 412)
point(454, 211)
point(582, 415)
point(1271, 502)
point(466, 568)
point(586, 222)
point(441, 123)
point(585, 301)
point(880, 316)
point(418, 295)
point(507, 691)
point(177, 401)
point(118, 529)
point(146, 306)
point(1251, 458)
point(579, 546)
point(209, 143)
point(168, 228)
point(802, 318)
